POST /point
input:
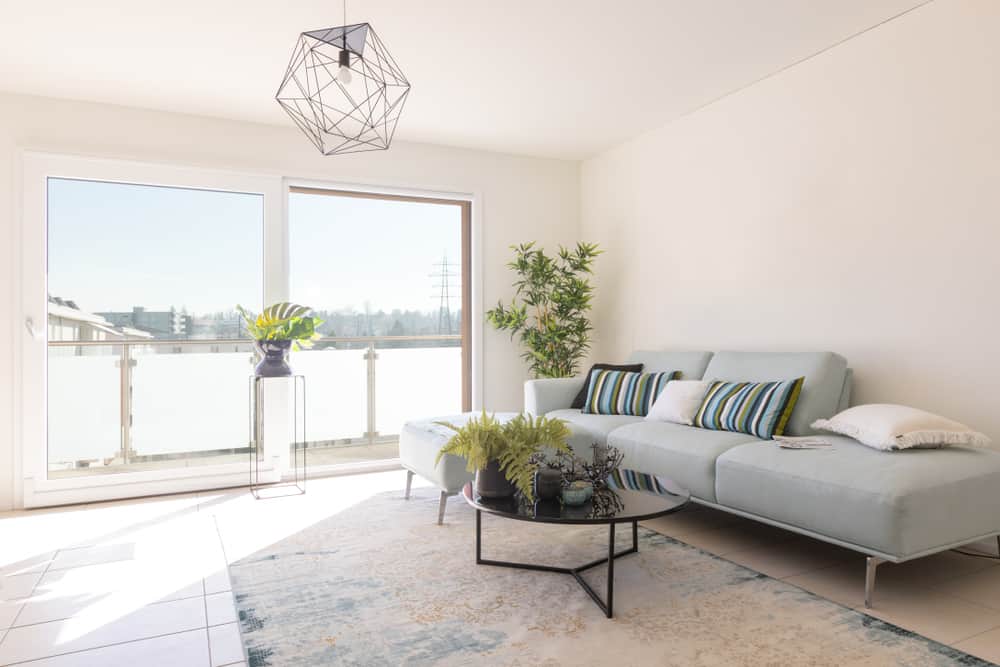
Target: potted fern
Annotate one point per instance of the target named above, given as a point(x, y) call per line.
point(504, 455)
point(278, 329)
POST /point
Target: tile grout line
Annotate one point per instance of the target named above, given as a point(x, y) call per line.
point(965, 639)
point(66, 618)
point(97, 648)
point(232, 594)
point(13, 621)
point(818, 569)
point(204, 593)
point(208, 633)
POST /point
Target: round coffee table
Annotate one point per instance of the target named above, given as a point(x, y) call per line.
point(630, 497)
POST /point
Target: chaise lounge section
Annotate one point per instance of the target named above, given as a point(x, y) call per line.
point(891, 506)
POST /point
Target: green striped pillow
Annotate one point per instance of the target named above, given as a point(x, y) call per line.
point(624, 393)
point(755, 408)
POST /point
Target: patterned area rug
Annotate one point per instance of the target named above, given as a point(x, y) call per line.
point(382, 584)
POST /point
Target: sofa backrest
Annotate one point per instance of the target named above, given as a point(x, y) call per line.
point(826, 380)
point(691, 364)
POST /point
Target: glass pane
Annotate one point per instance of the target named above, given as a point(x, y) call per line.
point(335, 402)
point(159, 269)
point(84, 406)
point(386, 275)
point(190, 407)
point(416, 383)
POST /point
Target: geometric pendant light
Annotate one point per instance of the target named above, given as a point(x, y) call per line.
point(343, 89)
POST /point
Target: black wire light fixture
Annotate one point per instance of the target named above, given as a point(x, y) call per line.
point(343, 89)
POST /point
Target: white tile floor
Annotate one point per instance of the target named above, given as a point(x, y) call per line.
point(144, 583)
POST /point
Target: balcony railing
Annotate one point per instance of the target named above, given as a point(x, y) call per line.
point(123, 405)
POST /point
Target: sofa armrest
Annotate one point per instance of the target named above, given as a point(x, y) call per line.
point(541, 396)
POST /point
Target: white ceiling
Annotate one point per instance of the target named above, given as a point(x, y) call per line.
point(559, 78)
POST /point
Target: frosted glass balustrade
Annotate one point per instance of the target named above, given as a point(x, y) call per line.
point(416, 383)
point(189, 402)
point(84, 407)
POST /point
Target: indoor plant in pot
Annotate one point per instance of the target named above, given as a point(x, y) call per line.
point(278, 329)
point(503, 455)
point(551, 308)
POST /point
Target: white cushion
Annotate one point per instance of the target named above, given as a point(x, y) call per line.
point(679, 401)
point(884, 426)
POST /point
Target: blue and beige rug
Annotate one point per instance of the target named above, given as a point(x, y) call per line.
point(382, 584)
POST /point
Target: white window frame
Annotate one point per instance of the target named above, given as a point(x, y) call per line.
point(30, 431)
point(32, 486)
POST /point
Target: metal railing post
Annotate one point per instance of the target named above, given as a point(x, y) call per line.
point(125, 391)
point(370, 357)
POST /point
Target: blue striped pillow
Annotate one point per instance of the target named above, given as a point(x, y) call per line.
point(624, 393)
point(755, 408)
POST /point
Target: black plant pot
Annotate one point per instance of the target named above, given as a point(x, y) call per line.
point(274, 362)
point(492, 483)
point(548, 483)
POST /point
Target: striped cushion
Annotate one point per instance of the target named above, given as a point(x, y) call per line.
point(756, 408)
point(624, 393)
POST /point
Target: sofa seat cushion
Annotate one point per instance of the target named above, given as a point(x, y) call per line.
point(598, 426)
point(682, 453)
point(419, 444)
point(898, 503)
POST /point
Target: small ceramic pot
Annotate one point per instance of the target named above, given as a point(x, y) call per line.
point(274, 363)
point(491, 482)
point(577, 493)
point(548, 483)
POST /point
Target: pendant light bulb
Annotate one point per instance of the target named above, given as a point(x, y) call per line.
point(344, 74)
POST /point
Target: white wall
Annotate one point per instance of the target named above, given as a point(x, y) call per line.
point(521, 199)
point(849, 203)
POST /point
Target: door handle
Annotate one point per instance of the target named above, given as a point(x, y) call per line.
point(29, 324)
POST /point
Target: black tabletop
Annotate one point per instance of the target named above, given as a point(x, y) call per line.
point(629, 496)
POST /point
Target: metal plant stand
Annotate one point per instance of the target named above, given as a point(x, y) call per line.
point(299, 443)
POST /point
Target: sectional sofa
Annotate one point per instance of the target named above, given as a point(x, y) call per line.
point(891, 506)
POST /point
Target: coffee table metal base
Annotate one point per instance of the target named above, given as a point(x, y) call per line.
point(607, 604)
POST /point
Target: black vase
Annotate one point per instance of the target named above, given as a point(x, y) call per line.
point(274, 361)
point(548, 483)
point(491, 482)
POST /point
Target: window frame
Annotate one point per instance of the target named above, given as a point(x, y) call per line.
point(35, 488)
point(32, 488)
point(465, 206)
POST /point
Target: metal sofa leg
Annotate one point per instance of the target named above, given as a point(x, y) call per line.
point(441, 505)
point(871, 565)
point(409, 483)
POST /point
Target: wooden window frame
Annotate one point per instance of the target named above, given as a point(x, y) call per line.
point(465, 207)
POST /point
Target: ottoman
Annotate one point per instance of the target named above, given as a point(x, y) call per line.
point(421, 440)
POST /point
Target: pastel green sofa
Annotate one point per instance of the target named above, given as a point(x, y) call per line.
point(892, 506)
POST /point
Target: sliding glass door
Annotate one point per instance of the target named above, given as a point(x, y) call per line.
point(390, 277)
point(147, 360)
point(134, 367)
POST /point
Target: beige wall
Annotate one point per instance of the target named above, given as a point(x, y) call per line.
point(521, 199)
point(849, 203)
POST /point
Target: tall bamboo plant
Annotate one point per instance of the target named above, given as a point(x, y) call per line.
point(551, 307)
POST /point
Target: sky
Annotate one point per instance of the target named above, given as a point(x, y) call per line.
point(112, 246)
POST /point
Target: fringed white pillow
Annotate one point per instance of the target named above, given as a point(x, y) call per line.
point(889, 427)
